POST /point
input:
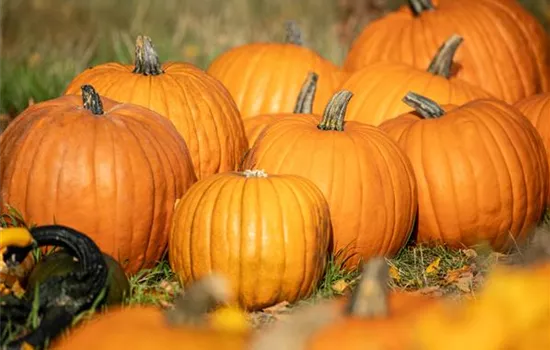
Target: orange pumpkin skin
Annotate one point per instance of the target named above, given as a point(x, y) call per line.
point(481, 172)
point(505, 49)
point(198, 105)
point(367, 180)
point(113, 176)
point(265, 78)
point(268, 236)
point(379, 88)
point(144, 328)
point(256, 125)
point(537, 109)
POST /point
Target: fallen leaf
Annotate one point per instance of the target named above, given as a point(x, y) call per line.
point(431, 291)
point(434, 266)
point(464, 283)
point(469, 253)
point(340, 286)
point(280, 307)
point(453, 275)
point(394, 273)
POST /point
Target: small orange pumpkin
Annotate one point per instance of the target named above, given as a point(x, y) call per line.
point(367, 180)
point(198, 105)
point(506, 49)
point(268, 234)
point(537, 109)
point(379, 88)
point(265, 78)
point(481, 171)
point(111, 170)
point(254, 126)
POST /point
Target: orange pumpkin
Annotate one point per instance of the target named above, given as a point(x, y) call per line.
point(254, 126)
point(481, 171)
point(379, 88)
point(267, 234)
point(265, 78)
point(506, 49)
point(371, 318)
point(110, 170)
point(199, 106)
point(537, 109)
point(187, 326)
point(367, 180)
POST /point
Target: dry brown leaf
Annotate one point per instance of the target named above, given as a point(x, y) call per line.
point(340, 286)
point(470, 253)
point(453, 275)
point(434, 266)
point(277, 308)
point(464, 283)
point(431, 291)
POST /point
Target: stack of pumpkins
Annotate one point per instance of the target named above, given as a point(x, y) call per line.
point(275, 159)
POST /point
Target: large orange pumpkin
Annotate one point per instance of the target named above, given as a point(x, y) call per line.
point(379, 88)
point(537, 109)
point(367, 180)
point(267, 234)
point(199, 106)
point(481, 171)
point(254, 126)
point(111, 170)
point(506, 50)
point(265, 78)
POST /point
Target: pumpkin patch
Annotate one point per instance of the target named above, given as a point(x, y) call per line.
point(268, 175)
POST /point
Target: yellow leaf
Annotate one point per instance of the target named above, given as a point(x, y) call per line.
point(340, 286)
point(434, 266)
point(394, 273)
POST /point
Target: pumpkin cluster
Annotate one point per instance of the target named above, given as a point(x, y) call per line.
point(274, 160)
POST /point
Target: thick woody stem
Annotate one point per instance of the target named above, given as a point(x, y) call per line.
point(335, 112)
point(146, 59)
point(293, 33)
point(419, 6)
point(91, 100)
point(304, 103)
point(427, 108)
point(443, 60)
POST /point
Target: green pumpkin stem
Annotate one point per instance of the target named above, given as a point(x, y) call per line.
point(146, 59)
point(419, 6)
point(370, 297)
point(304, 103)
point(443, 60)
point(427, 108)
point(335, 112)
point(193, 305)
point(293, 33)
point(91, 100)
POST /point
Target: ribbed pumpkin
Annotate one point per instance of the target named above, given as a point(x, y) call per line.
point(379, 88)
point(199, 106)
point(265, 78)
point(481, 171)
point(506, 49)
point(367, 180)
point(110, 170)
point(254, 126)
point(267, 234)
point(537, 109)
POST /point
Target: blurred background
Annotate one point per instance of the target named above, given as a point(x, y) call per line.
point(45, 43)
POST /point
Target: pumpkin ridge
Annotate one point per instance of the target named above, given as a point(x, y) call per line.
point(146, 58)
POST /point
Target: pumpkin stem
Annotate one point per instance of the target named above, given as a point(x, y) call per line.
point(202, 296)
point(146, 59)
point(419, 6)
point(304, 103)
point(293, 33)
point(427, 108)
point(91, 100)
point(370, 298)
point(254, 173)
point(443, 60)
point(335, 111)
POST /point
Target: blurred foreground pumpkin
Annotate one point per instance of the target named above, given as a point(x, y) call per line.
point(481, 170)
point(198, 105)
point(111, 170)
point(506, 50)
point(268, 234)
point(187, 326)
point(265, 78)
point(367, 179)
